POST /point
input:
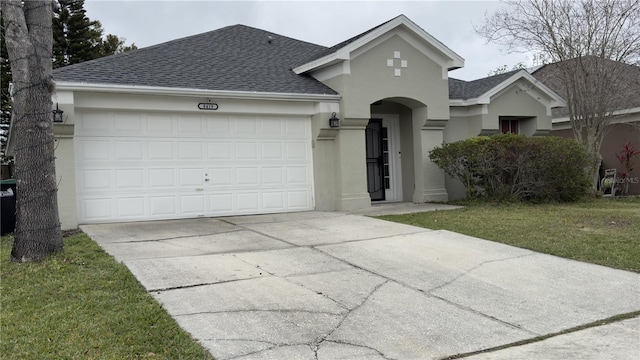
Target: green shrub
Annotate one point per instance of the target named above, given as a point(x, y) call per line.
point(515, 167)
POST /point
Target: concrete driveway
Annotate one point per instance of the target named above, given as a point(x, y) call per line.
point(317, 285)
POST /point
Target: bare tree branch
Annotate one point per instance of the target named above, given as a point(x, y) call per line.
point(593, 43)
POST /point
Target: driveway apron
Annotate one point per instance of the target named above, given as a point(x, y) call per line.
point(327, 285)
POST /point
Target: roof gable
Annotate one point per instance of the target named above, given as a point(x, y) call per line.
point(480, 91)
point(343, 50)
point(234, 58)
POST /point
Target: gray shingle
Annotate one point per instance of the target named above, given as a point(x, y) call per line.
point(463, 90)
point(234, 58)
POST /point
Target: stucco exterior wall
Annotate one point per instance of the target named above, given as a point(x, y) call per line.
point(401, 68)
point(65, 160)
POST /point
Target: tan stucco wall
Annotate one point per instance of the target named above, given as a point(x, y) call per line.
point(422, 87)
point(370, 79)
point(65, 175)
point(65, 160)
point(516, 102)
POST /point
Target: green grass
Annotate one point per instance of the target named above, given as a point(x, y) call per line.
point(82, 304)
point(600, 231)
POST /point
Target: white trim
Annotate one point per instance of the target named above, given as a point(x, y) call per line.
point(157, 90)
point(485, 98)
point(556, 100)
point(455, 61)
point(471, 110)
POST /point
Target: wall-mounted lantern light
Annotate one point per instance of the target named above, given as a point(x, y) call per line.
point(334, 122)
point(57, 114)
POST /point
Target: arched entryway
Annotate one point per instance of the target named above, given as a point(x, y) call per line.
point(390, 151)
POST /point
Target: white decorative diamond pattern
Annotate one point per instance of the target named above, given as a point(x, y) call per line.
point(397, 65)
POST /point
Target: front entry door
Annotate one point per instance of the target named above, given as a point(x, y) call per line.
point(375, 161)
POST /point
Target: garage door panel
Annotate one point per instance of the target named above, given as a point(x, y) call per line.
point(190, 150)
point(160, 150)
point(273, 200)
point(130, 179)
point(246, 126)
point(246, 150)
point(93, 149)
point(162, 178)
point(247, 176)
point(192, 177)
point(219, 126)
point(219, 150)
point(128, 207)
point(159, 124)
point(164, 166)
point(129, 150)
point(96, 209)
point(95, 180)
point(128, 123)
point(271, 127)
point(190, 125)
point(295, 128)
point(248, 201)
point(221, 203)
point(272, 151)
point(192, 204)
point(221, 177)
point(273, 176)
point(163, 205)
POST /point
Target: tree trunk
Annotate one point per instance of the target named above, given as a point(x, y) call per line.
point(29, 46)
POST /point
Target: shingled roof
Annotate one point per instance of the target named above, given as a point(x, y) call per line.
point(463, 90)
point(234, 58)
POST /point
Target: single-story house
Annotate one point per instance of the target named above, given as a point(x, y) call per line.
point(625, 125)
point(244, 121)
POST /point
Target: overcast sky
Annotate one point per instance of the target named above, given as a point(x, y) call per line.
point(150, 22)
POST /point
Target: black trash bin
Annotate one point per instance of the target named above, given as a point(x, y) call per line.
point(7, 206)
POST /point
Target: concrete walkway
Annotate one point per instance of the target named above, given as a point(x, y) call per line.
point(318, 285)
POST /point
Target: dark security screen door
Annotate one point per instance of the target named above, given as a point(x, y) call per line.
point(375, 166)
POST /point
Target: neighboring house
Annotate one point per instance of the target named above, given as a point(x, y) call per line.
point(625, 125)
point(237, 121)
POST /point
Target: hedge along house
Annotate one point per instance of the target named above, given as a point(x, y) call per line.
point(237, 121)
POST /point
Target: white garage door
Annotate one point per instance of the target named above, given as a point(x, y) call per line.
point(142, 166)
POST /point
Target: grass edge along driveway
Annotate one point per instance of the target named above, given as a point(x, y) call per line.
point(599, 231)
point(82, 304)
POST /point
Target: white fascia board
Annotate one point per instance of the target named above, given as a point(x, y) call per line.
point(467, 102)
point(343, 53)
point(556, 100)
point(156, 90)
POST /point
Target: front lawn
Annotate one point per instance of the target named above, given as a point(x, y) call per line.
point(600, 231)
point(82, 304)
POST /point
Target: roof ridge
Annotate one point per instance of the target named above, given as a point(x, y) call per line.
point(340, 45)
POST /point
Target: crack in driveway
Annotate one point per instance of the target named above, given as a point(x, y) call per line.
point(316, 344)
point(467, 272)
